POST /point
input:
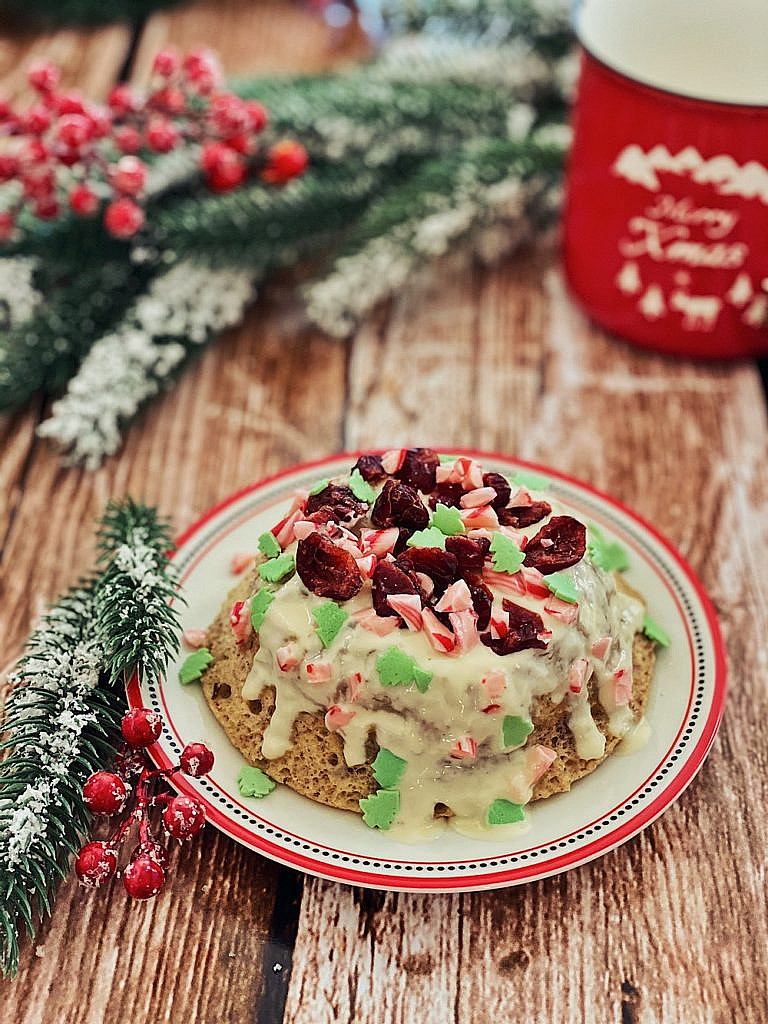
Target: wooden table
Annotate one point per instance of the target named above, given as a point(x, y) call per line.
point(671, 927)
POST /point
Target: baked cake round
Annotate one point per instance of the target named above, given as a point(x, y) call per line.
point(426, 642)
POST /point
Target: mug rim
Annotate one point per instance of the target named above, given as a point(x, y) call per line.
point(673, 94)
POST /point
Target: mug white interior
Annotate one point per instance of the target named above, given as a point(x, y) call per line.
point(707, 49)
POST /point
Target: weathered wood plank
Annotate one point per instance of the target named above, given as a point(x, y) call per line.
point(504, 361)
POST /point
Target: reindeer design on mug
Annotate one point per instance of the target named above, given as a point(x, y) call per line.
point(700, 312)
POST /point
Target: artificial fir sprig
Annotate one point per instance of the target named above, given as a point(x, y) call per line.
point(62, 715)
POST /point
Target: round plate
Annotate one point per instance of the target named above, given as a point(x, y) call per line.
point(620, 798)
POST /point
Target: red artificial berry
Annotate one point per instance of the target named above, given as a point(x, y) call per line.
point(240, 143)
point(128, 175)
point(39, 183)
point(105, 793)
point(129, 763)
point(143, 878)
point(140, 726)
point(154, 850)
point(36, 120)
point(69, 103)
point(123, 100)
point(34, 151)
point(161, 135)
point(5, 110)
point(127, 139)
point(7, 226)
point(100, 120)
point(285, 160)
point(169, 99)
point(224, 167)
point(73, 130)
point(9, 166)
point(95, 863)
point(123, 218)
point(166, 63)
point(47, 209)
point(43, 76)
point(257, 115)
point(228, 114)
point(196, 760)
point(183, 817)
point(202, 70)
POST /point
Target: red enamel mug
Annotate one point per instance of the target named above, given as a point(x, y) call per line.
point(666, 213)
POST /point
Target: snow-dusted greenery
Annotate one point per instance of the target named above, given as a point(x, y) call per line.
point(62, 714)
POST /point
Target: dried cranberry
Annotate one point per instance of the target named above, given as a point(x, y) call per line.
point(447, 494)
point(327, 570)
point(322, 516)
point(399, 505)
point(388, 578)
point(401, 544)
point(569, 542)
point(523, 634)
point(419, 469)
point(346, 507)
point(370, 468)
point(441, 566)
point(500, 484)
point(524, 515)
point(470, 552)
point(482, 599)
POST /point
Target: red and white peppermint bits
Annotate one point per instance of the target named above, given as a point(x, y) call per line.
point(183, 817)
point(105, 793)
point(95, 864)
point(196, 760)
point(141, 727)
point(143, 878)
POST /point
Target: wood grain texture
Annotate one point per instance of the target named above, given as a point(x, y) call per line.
point(669, 929)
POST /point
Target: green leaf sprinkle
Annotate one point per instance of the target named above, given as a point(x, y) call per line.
point(447, 520)
point(329, 619)
point(532, 480)
point(253, 782)
point(361, 489)
point(379, 809)
point(194, 666)
point(562, 586)
point(504, 812)
point(320, 486)
point(515, 730)
point(507, 556)
point(260, 601)
point(429, 538)
point(610, 556)
point(388, 768)
point(277, 568)
point(268, 545)
point(655, 632)
point(396, 668)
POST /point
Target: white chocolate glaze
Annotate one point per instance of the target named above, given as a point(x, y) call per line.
point(423, 728)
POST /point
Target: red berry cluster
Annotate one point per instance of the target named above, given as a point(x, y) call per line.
point(108, 793)
point(67, 150)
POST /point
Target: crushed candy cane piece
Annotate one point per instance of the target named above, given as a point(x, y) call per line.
point(457, 598)
point(367, 564)
point(378, 624)
point(510, 583)
point(521, 498)
point(240, 622)
point(299, 502)
point(464, 626)
point(562, 610)
point(577, 675)
point(408, 607)
point(540, 758)
point(354, 687)
point(393, 460)
point(494, 684)
point(240, 561)
point(285, 535)
point(441, 638)
point(318, 671)
point(303, 528)
point(286, 657)
point(194, 638)
point(463, 748)
point(426, 583)
point(601, 647)
point(470, 473)
point(336, 718)
point(535, 583)
point(480, 496)
point(622, 686)
point(379, 542)
point(446, 474)
point(485, 515)
point(514, 535)
point(491, 709)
